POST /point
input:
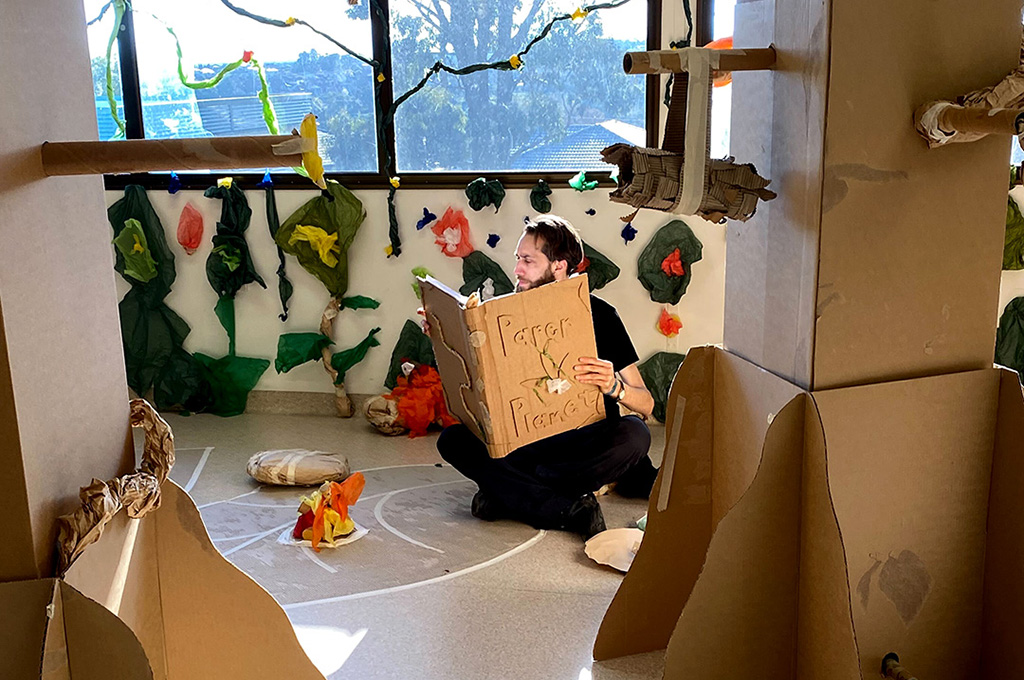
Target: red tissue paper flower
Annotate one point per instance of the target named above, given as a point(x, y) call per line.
point(190, 228)
point(421, 401)
point(452, 232)
point(669, 324)
point(672, 265)
point(583, 265)
point(246, 56)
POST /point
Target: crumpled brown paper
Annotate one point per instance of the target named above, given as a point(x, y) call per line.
point(138, 492)
point(653, 178)
point(383, 415)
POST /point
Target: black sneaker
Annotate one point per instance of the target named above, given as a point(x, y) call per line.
point(585, 517)
point(485, 508)
point(638, 480)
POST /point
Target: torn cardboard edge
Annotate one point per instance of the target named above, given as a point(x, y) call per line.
point(506, 363)
point(53, 632)
point(152, 599)
point(700, 588)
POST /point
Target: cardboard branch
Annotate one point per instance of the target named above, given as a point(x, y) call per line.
point(942, 122)
point(145, 155)
point(676, 61)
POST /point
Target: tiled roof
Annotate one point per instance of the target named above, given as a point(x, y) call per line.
point(581, 148)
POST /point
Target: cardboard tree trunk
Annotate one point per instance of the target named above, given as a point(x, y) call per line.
point(164, 604)
point(806, 535)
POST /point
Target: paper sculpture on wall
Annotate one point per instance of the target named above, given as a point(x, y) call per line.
point(190, 229)
point(413, 347)
point(319, 235)
point(681, 177)
point(1013, 246)
point(539, 197)
point(665, 265)
point(599, 269)
point(483, 275)
point(452, 232)
point(483, 192)
point(658, 371)
point(1010, 336)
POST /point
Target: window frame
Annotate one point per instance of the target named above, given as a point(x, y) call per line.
point(380, 179)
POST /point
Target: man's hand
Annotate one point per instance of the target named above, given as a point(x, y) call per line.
point(598, 372)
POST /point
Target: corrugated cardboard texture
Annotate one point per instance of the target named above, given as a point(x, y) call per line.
point(518, 342)
point(778, 120)
point(825, 644)
point(1002, 651)
point(218, 622)
point(908, 467)
point(56, 283)
point(911, 238)
point(740, 620)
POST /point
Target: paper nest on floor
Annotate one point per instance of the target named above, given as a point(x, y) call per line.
point(286, 538)
point(615, 548)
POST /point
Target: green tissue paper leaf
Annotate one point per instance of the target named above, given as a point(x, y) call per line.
point(658, 371)
point(1010, 336)
point(579, 182)
point(477, 269)
point(346, 359)
point(359, 302)
point(134, 249)
point(600, 270)
point(483, 192)
point(539, 197)
point(1013, 246)
point(664, 288)
point(414, 346)
point(295, 349)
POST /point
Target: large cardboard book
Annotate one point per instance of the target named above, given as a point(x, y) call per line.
point(506, 364)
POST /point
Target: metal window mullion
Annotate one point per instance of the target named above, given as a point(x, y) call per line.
point(131, 91)
point(381, 33)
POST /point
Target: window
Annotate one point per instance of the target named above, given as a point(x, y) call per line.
point(569, 100)
point(721, 97)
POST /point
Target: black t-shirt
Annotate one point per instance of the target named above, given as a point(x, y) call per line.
point(613, 343)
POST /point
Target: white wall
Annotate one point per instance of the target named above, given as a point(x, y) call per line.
point(389, 279)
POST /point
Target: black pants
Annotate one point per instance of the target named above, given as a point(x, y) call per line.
point(539, 482)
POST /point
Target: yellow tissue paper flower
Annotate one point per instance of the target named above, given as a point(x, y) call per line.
point(579, 14)
point(319, 240)
point(225, 182)
point(138, 247)
point(381, 78)
point(290, 21)
point(395, 182)
point(388, 250)
point(515, 62)
point(311, 161)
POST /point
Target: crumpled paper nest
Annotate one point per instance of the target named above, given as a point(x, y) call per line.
point(138, 492)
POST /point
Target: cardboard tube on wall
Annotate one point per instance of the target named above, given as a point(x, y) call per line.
point(145, 155)
point(675, 61)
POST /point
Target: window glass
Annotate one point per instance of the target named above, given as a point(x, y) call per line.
point(568, 101)
point(721, 97)
point(99, 29)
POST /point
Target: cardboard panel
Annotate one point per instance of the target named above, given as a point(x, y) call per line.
point(909, 465)
point(747, 398)
point(17, 560)
point(645, 609)
point(61, 326)
point(740, 621)
point(826, 647)
point(121, 572)
point(778, 120)
point(56, 664)
point(218, 623)
point(1003, 626)
point(23, 625)
point(911, 238)
point(100, 646)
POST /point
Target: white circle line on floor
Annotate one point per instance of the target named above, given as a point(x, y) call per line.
point(378, 513)
point(409, 586)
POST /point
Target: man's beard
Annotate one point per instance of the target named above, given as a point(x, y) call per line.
point(547, 277)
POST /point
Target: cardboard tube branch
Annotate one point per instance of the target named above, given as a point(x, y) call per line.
point(940, 121)
point(675, 61)
point(144, 155)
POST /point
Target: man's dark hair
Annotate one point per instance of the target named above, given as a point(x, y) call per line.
point(559, 240)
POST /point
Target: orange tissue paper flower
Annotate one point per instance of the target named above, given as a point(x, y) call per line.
point(669, 324)
point(190, 228)
point(420, 400)
point(583, 265)
point(452, 232)
point(672, 265)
